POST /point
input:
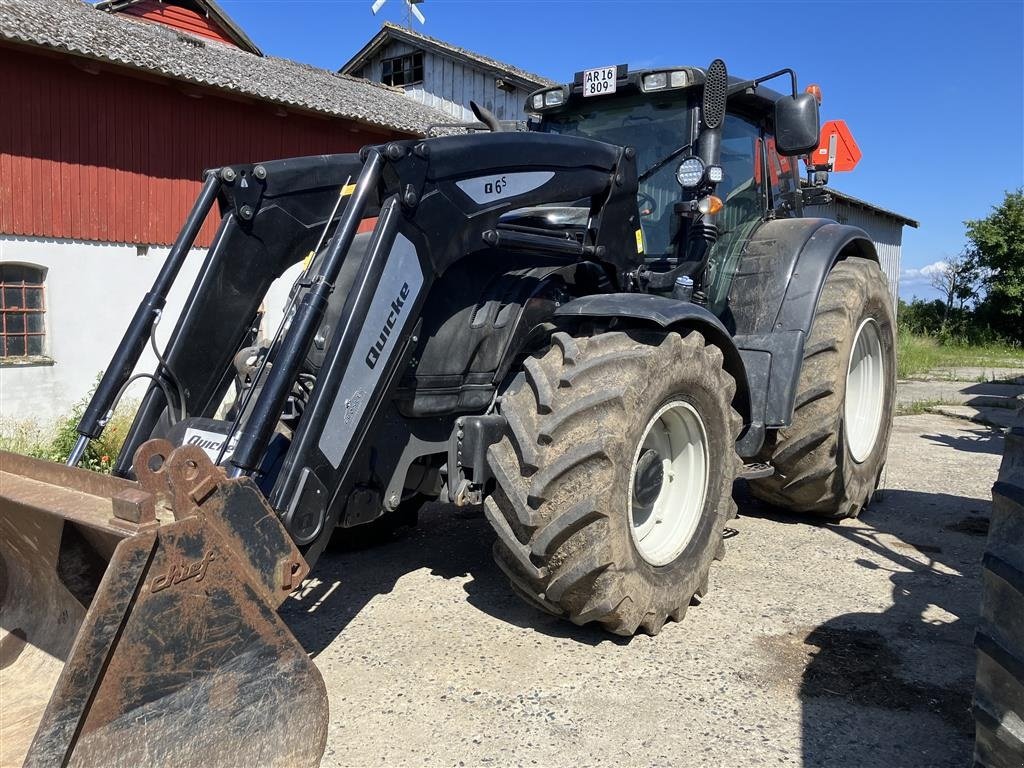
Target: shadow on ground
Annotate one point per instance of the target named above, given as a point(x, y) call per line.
point(452, 543)
point(972, 440)
point(912, 663)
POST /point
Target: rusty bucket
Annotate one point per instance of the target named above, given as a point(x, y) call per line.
point(138, 620)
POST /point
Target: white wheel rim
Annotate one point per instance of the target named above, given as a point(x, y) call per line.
point(865, 391)
point(662, 529)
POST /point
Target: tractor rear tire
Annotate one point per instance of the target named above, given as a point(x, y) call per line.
point(829, 461)
point(594, 460)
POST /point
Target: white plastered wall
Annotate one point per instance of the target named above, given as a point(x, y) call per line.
point(92, 292)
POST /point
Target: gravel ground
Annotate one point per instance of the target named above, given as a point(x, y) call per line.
point(818, 645)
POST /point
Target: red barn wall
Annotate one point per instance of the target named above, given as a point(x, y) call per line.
point(180, 18)
point(113, 158)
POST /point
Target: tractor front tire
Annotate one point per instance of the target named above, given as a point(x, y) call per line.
point(614, 477)
point(829, 461)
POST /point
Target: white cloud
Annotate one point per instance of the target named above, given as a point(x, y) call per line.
point(915, 282)
point(920, 276)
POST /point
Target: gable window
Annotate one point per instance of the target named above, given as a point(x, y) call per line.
point(22, 311)
point(403, 70)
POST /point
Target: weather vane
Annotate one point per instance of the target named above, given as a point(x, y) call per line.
point(410, 11)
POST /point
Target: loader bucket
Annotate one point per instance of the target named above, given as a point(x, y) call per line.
point(138, 620)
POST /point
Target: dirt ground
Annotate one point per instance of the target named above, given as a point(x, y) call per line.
point(818, 645)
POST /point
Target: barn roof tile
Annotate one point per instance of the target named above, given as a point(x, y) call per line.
point(77, 28)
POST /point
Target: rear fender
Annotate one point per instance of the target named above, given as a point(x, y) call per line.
point(783, 270)
point(773, 299)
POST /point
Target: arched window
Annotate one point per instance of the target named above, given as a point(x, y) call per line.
point(22, 311)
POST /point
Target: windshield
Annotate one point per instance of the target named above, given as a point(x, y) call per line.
point(655, 129)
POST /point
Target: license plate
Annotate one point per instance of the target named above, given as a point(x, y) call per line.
point(600, 81)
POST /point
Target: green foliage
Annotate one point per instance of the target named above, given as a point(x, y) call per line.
point(55, 444)
point(918, 354)
point(952, 326)
point(998, 243)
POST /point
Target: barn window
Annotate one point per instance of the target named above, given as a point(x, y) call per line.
point(403, 70)
point(22, 311)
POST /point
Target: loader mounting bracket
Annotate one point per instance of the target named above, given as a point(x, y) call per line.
point(242, 188)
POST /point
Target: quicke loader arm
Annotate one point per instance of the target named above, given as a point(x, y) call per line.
point(437, 201)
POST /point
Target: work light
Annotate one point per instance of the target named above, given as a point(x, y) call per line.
point(655, 81)
point(690, 172)
point(553, 97)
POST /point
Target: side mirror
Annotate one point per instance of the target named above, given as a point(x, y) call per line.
point(796, 124)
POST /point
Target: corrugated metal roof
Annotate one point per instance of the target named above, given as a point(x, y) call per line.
point(394, 32)
point(851, 200)
point(75, 27)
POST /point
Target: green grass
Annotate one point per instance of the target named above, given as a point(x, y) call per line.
point(918, 407)
point(918, 355)
point(54, 441)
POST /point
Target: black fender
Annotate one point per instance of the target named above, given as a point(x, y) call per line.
point(773, 299)
point(663, 312)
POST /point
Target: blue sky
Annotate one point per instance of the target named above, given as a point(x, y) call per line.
point(933, 91)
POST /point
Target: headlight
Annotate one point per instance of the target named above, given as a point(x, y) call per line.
point(537, 102)
point(655, 81)
point(690, 172)
point(715, 174)
point(678, 79)
point(553, 98)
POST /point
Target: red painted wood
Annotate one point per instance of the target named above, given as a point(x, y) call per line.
point(113, 158)
point(178, 17)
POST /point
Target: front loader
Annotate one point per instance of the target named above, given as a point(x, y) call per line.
point(591, 328)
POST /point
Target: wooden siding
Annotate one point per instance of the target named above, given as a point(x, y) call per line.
point(113, 158)
point(178, 17)
point(449, 84)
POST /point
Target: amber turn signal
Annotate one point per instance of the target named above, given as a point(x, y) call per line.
point(709, 205)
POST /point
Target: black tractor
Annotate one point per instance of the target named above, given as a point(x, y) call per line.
point(591, 327)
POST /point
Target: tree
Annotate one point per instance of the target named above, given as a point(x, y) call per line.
point(956, 279)
point(998, 242)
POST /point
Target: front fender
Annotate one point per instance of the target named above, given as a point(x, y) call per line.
point(662, 312)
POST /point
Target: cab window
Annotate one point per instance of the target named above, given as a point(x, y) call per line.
point(780, 175)
point(742, 191)
point(656, 129)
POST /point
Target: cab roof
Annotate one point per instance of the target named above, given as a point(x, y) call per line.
point(630, 82)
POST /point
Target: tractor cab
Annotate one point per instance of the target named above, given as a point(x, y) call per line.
point(709, 165)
